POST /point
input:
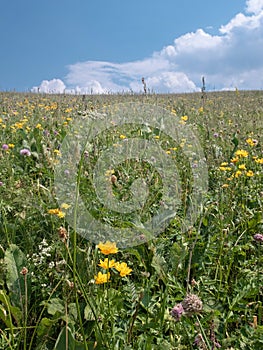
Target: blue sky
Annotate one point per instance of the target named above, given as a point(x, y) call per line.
point(98, 46)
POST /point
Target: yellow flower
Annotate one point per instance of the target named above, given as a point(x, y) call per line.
point(106, 264)
point(57, 152)
point(225, 185)
point(242, 166)
point(60, 214)
point(109, 172)
point(259, 161)
point(122, 268)
point(122, 137)
point(57, 212)
point(224, 164)
point(238, 173)
point(234, 160)
point(251, 142)
point(102, 278)
point(184, 118)
point(39, 126)
point(223, 167)
point(250, 173)
point(11, 145)
point(65, 206)
point(241, 153)
point(107, 248)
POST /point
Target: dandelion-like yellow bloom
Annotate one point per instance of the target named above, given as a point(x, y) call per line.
point(123, 269)
point(224, 167)
point(108, 248)
point(11, 145)
point(259, 160)
point(58, 212)
point(39, 126)
point(57, 152)
point(234, 160)
point(251, 142)
point(242, 166)
point(122, 137)
point(249, 173)
point(241, 153)
point(107, 264)
point(102, 278)
point(184, 118)
point(109, 172)
point(238, 173)
point(65, 206)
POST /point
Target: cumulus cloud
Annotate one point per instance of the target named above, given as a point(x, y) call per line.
point(254, 6)
point(232, 58)
point(55, 86)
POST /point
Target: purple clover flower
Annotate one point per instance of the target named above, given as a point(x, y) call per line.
point(5, 147)
point(1, 183)
point(258, 237)
point(25, 152)
point(177, 311)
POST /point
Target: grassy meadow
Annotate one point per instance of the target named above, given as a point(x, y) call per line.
point(200, 288)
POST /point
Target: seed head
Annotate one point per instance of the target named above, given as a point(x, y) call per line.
point(192, 304)
point(24, 271)
point(63, 234)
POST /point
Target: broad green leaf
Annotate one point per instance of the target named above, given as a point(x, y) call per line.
point(66, 341)
point(14, 261)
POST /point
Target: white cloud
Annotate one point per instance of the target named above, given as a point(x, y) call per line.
point(254, 6)
point(233, 58)
point(54, 86)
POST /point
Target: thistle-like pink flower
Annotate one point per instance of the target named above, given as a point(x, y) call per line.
point(177, 311)
point(25, 152)
point(258, 237)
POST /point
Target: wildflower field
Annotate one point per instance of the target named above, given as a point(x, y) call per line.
point(194, 287)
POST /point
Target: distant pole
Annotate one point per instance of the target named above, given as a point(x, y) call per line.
point(203, 92)
point(144, 86)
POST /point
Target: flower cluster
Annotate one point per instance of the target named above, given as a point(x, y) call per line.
point(241, 163)
point(122, 267)
point(191, 304)
point(58, 212)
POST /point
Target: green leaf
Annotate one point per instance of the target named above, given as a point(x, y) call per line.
point(66, 341)
point(9, 313)
point(14, 261)
point(45, 325)
point(88, 314)
point(55, 306)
